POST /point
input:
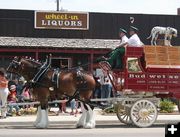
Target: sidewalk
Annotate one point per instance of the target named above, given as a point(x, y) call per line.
point(65, 117)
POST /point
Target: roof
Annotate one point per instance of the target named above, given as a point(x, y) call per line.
point(57, 42)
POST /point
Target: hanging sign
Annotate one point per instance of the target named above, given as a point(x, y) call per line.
point(61, 20)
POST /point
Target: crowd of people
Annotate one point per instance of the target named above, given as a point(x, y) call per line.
point(11, 93)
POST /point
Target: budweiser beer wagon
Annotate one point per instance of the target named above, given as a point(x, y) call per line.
point(149, 73)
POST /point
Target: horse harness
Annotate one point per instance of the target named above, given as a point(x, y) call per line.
point(44, 68)
point(55, 77)
point(81, 81)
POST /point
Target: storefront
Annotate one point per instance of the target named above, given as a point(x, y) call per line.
point(65, 52)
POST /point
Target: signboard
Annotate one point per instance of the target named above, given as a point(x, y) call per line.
point(154, 81)
point(61, 20)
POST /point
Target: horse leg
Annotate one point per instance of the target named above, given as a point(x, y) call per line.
point(82, 120)
point(43, 120)
point(38, 116)
point(3, 96)
point(90, 119)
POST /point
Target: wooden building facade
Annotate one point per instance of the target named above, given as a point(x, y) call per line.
point(19, 37)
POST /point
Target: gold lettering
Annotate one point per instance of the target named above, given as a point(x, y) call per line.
point(65, 17)
point(47, 16)
point(74, 17)
point(54, 16)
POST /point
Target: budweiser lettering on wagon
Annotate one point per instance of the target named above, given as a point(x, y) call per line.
point(61, 20)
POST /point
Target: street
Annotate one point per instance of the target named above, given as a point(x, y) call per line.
point(68, 130)
point(63, 125)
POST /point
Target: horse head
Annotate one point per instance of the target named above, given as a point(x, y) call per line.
point(24, 66)
point(13, 66)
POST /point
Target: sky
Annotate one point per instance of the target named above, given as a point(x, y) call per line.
point(168, 7)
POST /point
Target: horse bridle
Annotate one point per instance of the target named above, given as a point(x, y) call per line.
point(15, 63)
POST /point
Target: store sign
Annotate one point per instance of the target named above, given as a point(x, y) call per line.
point(61, 20)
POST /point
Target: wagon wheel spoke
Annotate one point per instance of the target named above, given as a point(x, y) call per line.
point(143, 113)
point(123, 116)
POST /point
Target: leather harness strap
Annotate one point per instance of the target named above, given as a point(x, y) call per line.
point(55, 77)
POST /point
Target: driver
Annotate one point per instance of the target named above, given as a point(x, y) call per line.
point(115, 57)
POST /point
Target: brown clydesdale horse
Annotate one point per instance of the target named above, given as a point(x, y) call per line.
point(68, 85)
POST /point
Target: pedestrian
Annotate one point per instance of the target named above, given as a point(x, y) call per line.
point(106, 89)
point(3, 92)
point(97, 90)
point(12, 99)
point(74, 107)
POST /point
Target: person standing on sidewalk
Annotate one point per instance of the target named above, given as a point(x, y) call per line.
point(106, 89)
point(3, 93)
point(74, 107)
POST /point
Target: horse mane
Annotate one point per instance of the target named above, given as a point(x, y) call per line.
point(33, 61)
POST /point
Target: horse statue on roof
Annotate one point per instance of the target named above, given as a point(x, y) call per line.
point(49, 82)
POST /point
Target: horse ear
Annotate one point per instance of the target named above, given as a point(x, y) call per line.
point(16, 58)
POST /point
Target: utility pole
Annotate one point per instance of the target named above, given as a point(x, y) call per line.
point(57, 5)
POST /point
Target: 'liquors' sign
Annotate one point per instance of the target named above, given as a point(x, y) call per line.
point(61, 20)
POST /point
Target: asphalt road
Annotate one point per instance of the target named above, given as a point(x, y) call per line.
point(69, 130)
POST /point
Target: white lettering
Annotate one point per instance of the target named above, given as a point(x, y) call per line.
point(43, 22)
point(54, 23)
point(60, 23)
point(79, 23)
point(137, 76)
point(67, 23)
point(157, 76)
point(73, 23)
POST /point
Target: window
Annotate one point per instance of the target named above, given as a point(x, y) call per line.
point(133, 65)
point(62, 63)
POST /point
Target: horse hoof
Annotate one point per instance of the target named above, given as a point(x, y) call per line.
point(2, 117)
point(41, 126)
point(79, 126)
point(89, 126)
point(35, 123)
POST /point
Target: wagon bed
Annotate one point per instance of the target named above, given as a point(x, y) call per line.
point(149, 73)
